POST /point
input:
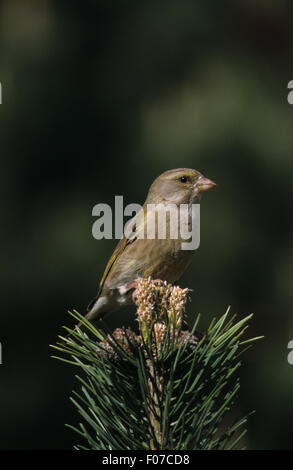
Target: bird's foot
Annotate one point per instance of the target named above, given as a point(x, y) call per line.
point(126, 289)
point(132, 286)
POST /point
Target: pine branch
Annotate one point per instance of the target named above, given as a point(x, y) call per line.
point(163, 388)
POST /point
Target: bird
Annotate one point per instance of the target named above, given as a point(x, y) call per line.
point(138, 256)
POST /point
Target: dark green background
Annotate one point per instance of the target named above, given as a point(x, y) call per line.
point(99, 98)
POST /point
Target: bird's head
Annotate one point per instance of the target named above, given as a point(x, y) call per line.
point(179, 186)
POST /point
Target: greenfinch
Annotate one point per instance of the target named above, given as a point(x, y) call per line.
point(138, 256)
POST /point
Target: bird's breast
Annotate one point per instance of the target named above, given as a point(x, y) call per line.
point(154, 252)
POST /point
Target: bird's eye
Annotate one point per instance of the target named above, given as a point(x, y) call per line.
point(183, 179)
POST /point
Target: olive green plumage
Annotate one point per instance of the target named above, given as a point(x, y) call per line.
point(136, 257)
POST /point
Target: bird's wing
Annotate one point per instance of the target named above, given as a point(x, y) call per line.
point(118, 250)
point(137, 226)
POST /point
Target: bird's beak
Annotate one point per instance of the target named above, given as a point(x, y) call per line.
point(204, 184)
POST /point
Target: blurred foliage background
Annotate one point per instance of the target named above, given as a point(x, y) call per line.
point(99, 98)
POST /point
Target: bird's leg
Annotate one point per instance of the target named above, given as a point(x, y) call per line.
point(133, 285)
point(124, 290)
